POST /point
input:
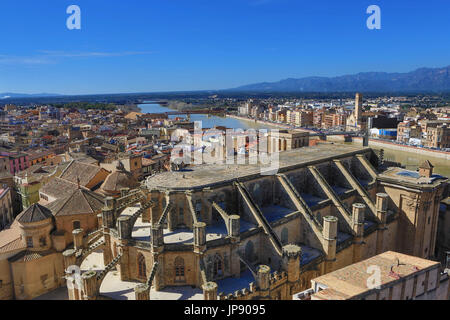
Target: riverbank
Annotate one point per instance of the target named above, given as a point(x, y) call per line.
point(262, 122)
point(210, 121)
point(410, 149)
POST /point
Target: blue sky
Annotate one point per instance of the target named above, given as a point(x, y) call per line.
point(171, 45)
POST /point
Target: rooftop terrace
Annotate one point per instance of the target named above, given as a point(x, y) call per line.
point(351, 281)
point(409, 177)
point(213, 174)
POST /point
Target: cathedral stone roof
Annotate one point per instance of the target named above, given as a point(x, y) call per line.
point(80, 201)
point(119, 179)
point(34, 213)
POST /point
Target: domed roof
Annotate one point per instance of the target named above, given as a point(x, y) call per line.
point(119, 179)
point(81, 201)
point(34, 213)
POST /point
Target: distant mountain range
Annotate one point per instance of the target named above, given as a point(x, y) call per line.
point(420, 80)
point(8, 95)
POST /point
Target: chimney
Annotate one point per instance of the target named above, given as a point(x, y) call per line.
point(426, 169)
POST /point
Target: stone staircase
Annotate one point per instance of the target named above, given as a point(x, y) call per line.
point(259, 216)
point(366, 164)
point(247, 264)
point(141, 210)
point(93, 247)
point(333, 197)
point(108, 268)
point(300, 203)
point(222, 212)
point(165, 214)
point(203, 271)
point(152, 274)
point(191, 208)
point(93, 236)
point(357, 186)
point(129, 199)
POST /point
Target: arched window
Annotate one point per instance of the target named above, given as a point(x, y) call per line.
point(76, 225)
point(43, 241)
point(179, 270)
point(29, 242)
point(218, 266)
point(142, 269)
point(284, 236)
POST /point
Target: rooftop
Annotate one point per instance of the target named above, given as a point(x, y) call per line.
point(351, 281)
point(85, 172)
point(211, 174)
point(400, 175)
point(34, 213)
point(10, 238)
point(80, 201)
point(58, 188)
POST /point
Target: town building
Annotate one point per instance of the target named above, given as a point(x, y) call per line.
point(443, 234)
point(356, 121)
point(224, 233)
point(437, 136)
point(387, 276)
point(31, 248)
point(284, 140)
point(408, 131)
point(6, 207)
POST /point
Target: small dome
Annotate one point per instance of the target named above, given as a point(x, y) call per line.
point(34, 213)
point(118, 180)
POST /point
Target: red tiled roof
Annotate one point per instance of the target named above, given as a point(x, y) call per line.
point(10, 239)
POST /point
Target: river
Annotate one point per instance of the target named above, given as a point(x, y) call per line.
point(207, 121)
point(410, 160)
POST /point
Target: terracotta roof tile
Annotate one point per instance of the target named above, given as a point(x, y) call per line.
point(34, 213)
point(119, 179)
point(10, 238)
point(58, 188)
point(80, 170)
point(80, 201)
point(28, 255)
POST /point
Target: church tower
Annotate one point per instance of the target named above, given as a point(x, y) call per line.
point(358, 107)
